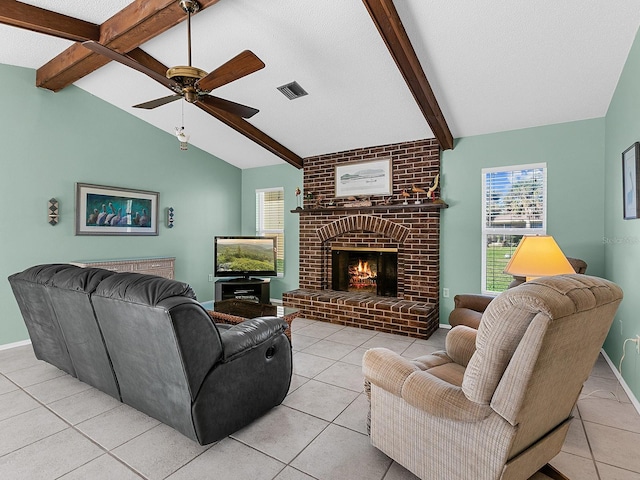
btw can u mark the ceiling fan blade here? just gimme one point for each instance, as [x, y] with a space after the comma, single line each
[239, 66]
[228, 106]
[158, 102]
[129, 62]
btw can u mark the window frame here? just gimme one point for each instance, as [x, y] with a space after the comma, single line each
[261, 231]
[486, 231]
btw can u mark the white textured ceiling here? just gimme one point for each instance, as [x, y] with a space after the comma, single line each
[494, 65]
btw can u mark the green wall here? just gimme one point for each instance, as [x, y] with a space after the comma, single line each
[53, 140]
[573, 153]
[622, 249]
[289, 178]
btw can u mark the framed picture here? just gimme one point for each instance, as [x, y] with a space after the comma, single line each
[363, 178]
[630, 176]
[104, 210]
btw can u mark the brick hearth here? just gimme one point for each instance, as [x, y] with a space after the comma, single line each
[413, 229]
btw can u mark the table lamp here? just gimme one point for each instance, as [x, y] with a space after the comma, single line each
[538, 256]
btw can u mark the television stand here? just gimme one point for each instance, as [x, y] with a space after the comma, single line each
[252, 289]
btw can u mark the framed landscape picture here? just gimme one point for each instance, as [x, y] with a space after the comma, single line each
[363, 178]
[102, 210]
[630, 177]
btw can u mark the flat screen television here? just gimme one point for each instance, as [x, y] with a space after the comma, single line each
[245, 256]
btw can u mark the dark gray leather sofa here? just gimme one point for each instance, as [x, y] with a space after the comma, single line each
[146, 341]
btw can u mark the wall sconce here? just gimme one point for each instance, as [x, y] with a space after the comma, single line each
[53, 215]
[170, 217]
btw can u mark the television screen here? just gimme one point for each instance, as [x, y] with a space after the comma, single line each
[245, 256]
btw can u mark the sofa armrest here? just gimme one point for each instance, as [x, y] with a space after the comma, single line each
[476, 302]
[460, 344]
[245, 336]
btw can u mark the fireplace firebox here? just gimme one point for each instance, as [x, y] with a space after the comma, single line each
[365, 270]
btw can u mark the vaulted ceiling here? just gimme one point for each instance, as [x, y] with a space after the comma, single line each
[491, 66]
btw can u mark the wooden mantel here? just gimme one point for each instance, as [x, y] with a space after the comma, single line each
[374, 208]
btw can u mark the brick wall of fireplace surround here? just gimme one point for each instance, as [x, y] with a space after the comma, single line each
[414, 230]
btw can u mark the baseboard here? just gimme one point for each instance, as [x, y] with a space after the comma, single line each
[625, 387]
[445, 325]
[7, 346]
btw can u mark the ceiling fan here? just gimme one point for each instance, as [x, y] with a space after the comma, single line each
[189, 82]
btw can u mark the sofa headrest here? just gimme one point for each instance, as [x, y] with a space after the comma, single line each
[81, 280]
[142, 289]
[42, 274]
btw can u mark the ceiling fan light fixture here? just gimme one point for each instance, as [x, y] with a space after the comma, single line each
[292, 90]
[183, 72]
[183, 138]
[189, 6]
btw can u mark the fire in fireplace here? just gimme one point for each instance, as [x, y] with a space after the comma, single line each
[365, 270]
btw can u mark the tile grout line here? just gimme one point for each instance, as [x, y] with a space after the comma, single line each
[73, 427]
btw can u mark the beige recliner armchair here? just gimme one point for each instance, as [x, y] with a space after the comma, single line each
[496, 404]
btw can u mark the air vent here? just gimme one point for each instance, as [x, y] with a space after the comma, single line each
[292, 90]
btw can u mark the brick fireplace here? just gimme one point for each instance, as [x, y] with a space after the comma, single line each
[412, 230]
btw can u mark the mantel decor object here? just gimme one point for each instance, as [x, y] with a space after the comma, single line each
[102, 210]
[363, 178]
[298, 199]
[630, 177]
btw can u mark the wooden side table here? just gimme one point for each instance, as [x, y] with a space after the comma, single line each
[234, 311]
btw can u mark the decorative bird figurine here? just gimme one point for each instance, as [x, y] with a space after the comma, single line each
[116, 220]
[102, 216]
[406, 195]
[110, 215]
[93, 218]
[432, 189]
[417, 191]
[144, 219]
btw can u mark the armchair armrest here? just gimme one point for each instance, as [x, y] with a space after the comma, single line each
[387, 369]
[460, 344]
[245, 336]
[442, 399]
[395, 374]
[476, 302]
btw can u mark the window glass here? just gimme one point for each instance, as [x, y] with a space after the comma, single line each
[270, 219]
[513, 204]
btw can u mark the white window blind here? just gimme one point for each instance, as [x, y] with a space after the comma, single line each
[513, 204]
[270, 219]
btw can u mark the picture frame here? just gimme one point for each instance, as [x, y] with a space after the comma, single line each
[363, 178]
[630, 178]
[102, 210]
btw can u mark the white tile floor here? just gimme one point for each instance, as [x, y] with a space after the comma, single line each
[55, 427]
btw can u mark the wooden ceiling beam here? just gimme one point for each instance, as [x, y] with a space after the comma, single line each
[39, 20]
[240, 125]
[237, 123]
[386, 18]
[137, 23]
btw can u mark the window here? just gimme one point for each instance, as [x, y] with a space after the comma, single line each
[513, 204]
[270, 219]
